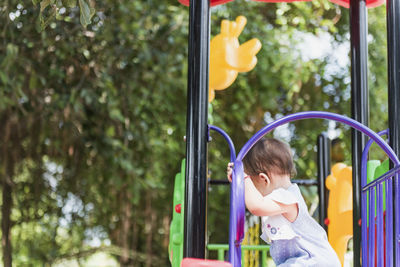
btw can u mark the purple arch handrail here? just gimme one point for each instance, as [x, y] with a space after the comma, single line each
[232, 159]
[228, 140]
[237, 215]
[364, 159]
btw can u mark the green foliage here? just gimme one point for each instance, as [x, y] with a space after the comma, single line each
[53, 9]
[87, 13]
[69, 3]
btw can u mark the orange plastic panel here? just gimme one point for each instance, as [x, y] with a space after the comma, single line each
[189, 262]
[212, 2]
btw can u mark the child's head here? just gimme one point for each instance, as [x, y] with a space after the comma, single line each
[271, 157]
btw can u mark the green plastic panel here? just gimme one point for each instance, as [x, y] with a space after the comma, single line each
[176, 228]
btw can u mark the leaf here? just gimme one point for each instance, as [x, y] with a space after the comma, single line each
[69, 3]
[33, 81]
[11, 56]
[87, 13]
[35, 2]
[44, 4]
[3, 77]
[12, 50]
[21, 95]
[110, 132]
[45, 21]
[117, 115]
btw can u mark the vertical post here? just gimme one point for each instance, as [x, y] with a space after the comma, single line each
[221, 254]
[197, 130]
[393, 42]
[324, 167]
[327, 171]
[264, 258]
[359, 107]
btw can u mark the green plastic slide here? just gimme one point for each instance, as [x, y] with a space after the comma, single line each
[176, 228]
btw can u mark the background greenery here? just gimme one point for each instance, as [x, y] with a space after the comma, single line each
[93, 114]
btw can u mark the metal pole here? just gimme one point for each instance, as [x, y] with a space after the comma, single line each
[323, 151]
[327, 170]
[197, 131]
[327, 156]
[359, 107]
[393, 42]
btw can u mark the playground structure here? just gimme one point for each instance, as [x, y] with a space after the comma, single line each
[385, 250]
[237, 184]
[339, 212]
[252, 252]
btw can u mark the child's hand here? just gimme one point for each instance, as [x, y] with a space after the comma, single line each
[229, 171]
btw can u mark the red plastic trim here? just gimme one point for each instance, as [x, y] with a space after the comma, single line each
[178, 208]
[344, 3]
[212, 2]
[280, 1]
[370, 3]
[190, 262]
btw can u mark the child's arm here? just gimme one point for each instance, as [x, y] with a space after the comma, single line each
[264, 206]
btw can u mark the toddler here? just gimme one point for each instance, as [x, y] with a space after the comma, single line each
[295, 238]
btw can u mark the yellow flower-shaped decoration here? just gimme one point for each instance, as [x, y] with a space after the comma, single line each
[228, 57]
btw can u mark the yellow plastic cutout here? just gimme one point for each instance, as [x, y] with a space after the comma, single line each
[228, 57]
[340, 208]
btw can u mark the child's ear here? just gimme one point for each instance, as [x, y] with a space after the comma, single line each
[264, 177]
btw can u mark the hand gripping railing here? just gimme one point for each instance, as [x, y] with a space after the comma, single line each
[237, 215]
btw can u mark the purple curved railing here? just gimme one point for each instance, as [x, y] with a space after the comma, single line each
[228, 140]
[368, 247]
[373, 251]
[237, 216]
[364, 157]
[232, 158]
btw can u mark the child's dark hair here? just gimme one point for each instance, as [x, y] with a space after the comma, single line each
[268, 156]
